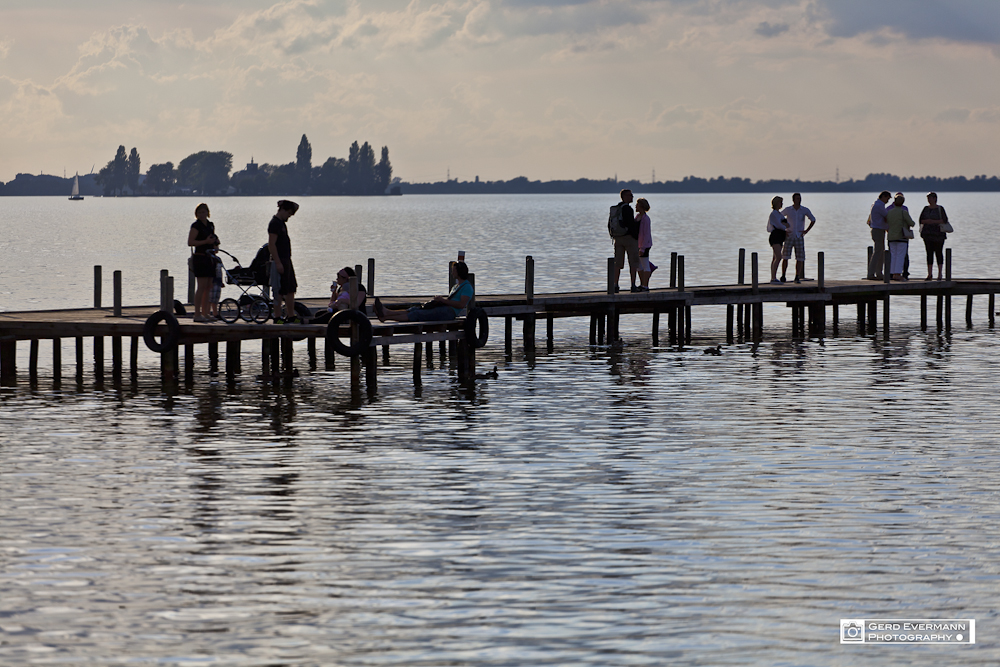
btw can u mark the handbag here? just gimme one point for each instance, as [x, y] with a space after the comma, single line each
[946, 227]
[908, 233]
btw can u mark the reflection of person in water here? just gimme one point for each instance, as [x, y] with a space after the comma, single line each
[340, 297]
[438, 309]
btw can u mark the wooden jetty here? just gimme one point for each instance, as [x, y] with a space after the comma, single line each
[808, 302]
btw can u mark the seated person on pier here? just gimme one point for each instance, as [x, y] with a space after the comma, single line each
[340, 297]
[438, 309]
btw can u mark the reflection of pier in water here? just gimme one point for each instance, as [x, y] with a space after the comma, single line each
[458, 340]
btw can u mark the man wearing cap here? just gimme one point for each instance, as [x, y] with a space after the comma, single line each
[876, 220]
[282, 272]
[796, 215]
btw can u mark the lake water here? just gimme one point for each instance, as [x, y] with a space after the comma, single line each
[591, 506]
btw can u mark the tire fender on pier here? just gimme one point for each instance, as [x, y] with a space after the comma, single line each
[169, 340]
[477, 316]
[364, 332]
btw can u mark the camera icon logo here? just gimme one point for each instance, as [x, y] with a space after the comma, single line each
[852, 630]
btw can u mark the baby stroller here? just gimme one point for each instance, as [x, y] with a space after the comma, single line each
[253, 305]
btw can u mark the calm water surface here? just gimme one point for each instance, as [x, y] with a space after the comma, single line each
[591, 506]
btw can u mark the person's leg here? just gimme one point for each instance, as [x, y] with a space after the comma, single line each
[633, 258]
[878, 254]
[800, 258]
[906, 260]
[775, 260]
[786, 254]
[202, 287]
[929, 247]
[940, 259]
[289, 305]
[619, 260]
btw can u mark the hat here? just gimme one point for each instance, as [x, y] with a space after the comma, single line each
[899, 194]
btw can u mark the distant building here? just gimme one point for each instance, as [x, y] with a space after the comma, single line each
[251, 167]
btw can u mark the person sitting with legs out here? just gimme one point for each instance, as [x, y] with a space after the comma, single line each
[438, 309]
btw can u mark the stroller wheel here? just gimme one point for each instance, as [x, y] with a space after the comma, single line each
[229, 310]
[260, 310]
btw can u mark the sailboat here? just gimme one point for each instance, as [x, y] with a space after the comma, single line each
[74, 195]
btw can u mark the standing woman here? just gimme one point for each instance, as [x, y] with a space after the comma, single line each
[646, 267]
[777, 225]
[202, 238]
[931, 219]
[898, 221]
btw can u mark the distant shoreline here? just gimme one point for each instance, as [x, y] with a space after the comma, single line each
[47, 185]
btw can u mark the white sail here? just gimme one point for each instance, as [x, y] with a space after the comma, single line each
[76, 186]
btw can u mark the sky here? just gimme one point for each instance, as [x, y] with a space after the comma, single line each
[547, 89]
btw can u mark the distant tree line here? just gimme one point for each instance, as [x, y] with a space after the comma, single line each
[694, 184]
[208, 172]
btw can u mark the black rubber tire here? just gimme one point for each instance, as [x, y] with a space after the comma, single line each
[364, 332]
[179, 308]
[168, 341]
[302, 310]
[229, 310]
[477, 316]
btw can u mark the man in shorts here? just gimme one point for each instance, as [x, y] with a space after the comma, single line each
[796, 215]
[282, 272]
[627, 243]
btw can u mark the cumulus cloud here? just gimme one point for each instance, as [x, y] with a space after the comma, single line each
[956, 20]
[765, 29]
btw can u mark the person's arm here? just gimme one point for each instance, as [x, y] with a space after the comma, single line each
[812, 221]
[194, 242]
[272, 246]
[459, 303]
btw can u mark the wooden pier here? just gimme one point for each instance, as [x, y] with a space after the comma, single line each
[356, 336]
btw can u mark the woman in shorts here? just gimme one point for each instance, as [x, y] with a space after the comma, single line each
[777, 225]
[202, 238]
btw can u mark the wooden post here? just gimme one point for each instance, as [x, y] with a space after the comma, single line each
[329, 354]
[371, 277]
[939, 315]
[116, 360]
[754, 275]
[33, 361]
[164, 274]
[600, 329]
[680, 273]
[189, 364]
[133, 367]
[672, 325]
[923, 312]
[286, 355]
[99, 359]
[887, 266]
[265, 358]
[656, 328]
[385, 353]
[872, 316]
[947, 264]
[233, 363]
[213, 357]
[611, 275]
[947, 297]
[673, 269]
[548, 332]
[274, 346]
[8, 361]
[759, 322]
[687, 325]
[885, 317]
[371, 370]
[311, 349]
[57, 361]
[97, 286]
[820, 270]
[417, 348]
[968, 311]
[739, 270]
[729, 323]
[992, 313]
[593, 330]
[508, 334]
[871, 251]
[79, 359]
[529, 293]
[836, 315]
[740, 312]
[795, 320]
[861, 318]
[117, 277]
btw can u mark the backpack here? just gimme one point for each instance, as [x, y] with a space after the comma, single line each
[617, 225]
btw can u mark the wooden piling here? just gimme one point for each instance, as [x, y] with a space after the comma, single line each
[923, 312]
[968, 312]
[673, 270]
[189, 364]
[872, 316]
[133, 359]
[233, 363]
[371, 370]
[116, 360]
[8, 361]
[99, 359]
[79, 359]
[947, 298]
[549, 324]
[729, 323]
[656, 328]
[821, 273]
[213, 357]
[265, 358]
[992, 304]
[885, 317]
[939, 314]
[371, 277]
[97, 287]
[117, 286]
[57, 361]
[740, 267]
[754, 282]
[508, 333]
[861, 318]
[33, 361]
[417, 349]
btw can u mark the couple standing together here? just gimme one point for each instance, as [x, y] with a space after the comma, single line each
[788, 229]
[631, 235]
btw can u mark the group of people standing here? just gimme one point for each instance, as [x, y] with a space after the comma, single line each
[786, 232]
[892, 223]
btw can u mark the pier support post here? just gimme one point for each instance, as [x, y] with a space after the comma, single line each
[758, 322]
[79, 359]
[872, 317]
[593, 330]
[947, 297]
[265, 358]
[99, 359]
[311, 351]
[885, 317]
[189, 364]
[861, 318]
[371, 277]
[968, 312]
[133, 359]
[673, 270]
[371, 370]
[821, 273]
[97, 286]
[656, 328]
[417, 349]
[600, 329]
[729, 323]
[992, 303]
[687, 325]
[213, 357]
[508, 335]
[33, 362]
[286, 355]
[329, 355]
[549, 323]
[8, 361]
[923, 312]
[739, 321]
[57, 361]
[116, 360]
[939, 315]
[233, 364]
[117, 286]
[740, 273]
[274, 347]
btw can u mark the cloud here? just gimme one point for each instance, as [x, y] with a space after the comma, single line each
[976, 21]
[765, 29]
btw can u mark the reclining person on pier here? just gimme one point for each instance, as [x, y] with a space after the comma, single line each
[438, 309]
[340, 297]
